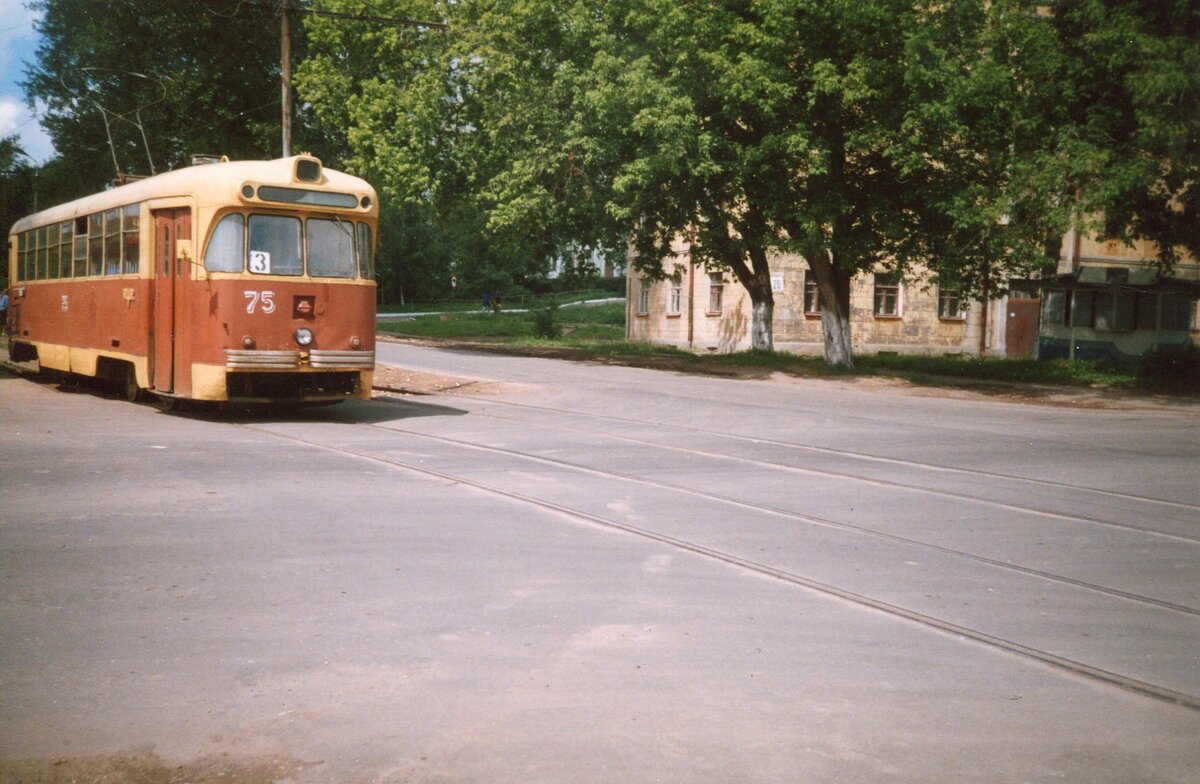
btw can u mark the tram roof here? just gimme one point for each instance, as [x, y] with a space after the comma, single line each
[206, 183]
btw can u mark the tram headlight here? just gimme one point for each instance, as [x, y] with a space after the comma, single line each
[248, 342]
[304, 336]
[355, 343]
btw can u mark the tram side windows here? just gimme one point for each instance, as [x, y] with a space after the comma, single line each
[95, 244]
[130, 238]
[52, 254]
[226, 251]
[40, 272]
[366, 253]
[21, 255]
[112, 242]
[79, 254]
[275, 245]
[64, 249]
[330, 248]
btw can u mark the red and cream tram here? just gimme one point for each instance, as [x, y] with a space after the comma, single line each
[248, 281]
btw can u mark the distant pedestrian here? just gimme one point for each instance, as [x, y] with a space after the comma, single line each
[487, 300]
[4, 312]
[496, 303]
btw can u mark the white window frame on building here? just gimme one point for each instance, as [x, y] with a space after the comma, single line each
[950, 304]
[812, 295]
[716, 292]
[675, 295]
[644, 298]
[888, 295]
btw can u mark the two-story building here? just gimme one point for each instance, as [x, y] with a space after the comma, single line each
[1104, 293]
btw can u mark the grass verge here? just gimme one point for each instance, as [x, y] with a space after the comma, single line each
[597, 333]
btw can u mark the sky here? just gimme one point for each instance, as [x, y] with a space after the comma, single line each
[18, 41]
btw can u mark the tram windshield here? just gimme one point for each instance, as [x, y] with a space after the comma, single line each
[330, 248]
[285, 245]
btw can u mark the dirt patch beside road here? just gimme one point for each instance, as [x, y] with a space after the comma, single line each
[403, 381]
[146, 767]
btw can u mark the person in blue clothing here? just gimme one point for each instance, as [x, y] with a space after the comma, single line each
[4, 312]
[487, 300]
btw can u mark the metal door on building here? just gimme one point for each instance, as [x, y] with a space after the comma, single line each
[1021, 327]
[169, 355]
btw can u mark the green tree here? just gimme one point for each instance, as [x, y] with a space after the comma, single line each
[452, 128]
[750, 128]
[1132, 69]
[962, 138]
[198, 77]
[17, 185]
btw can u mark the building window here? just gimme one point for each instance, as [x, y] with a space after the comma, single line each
[950, 302]
[1056, 307]
[887, 294]
[644, 298]
[1177, 313]
[812, 295]
[675, 296]
[716, 291]
[1113, 311]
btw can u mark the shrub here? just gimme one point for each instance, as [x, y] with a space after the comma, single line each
[545, 323]
[1176, 369]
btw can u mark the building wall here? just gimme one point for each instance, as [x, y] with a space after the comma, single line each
[917, 329]
[1145, 306]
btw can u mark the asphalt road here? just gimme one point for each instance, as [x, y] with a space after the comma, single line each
[559, 572]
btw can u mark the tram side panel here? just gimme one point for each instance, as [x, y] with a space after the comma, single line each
[72, 324]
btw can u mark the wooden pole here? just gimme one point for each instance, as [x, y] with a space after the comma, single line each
[285, 73]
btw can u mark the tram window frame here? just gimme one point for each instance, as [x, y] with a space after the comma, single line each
[294, 269]
[112, 241]
[347, 262]
[217, 240]
[95, 265]
[30, 255]
[53, 250]
[65, 246]
[40, 245]
[21, 255]
[366, 252]
[79, 247]
[131, 230]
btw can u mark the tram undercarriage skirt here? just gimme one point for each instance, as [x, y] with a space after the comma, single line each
[291, 386]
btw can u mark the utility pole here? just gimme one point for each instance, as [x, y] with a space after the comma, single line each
[285, 72]
[286, 9]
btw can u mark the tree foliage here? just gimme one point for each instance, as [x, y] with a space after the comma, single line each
[196, 76]
[17, 184]
[461, 133]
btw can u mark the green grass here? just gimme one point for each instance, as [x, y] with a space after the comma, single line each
[472, 325]
[580, 323]
[1077, 372]
[598, 332]
[467, 304]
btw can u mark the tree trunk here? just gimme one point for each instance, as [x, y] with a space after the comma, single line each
[836, 329]
[757, 282]
[833, 283]
[762, 332]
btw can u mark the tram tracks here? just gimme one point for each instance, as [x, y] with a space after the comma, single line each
[1014, 646]
[805, 519]
[970, 473]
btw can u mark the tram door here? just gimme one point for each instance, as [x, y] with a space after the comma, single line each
[169, 353]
